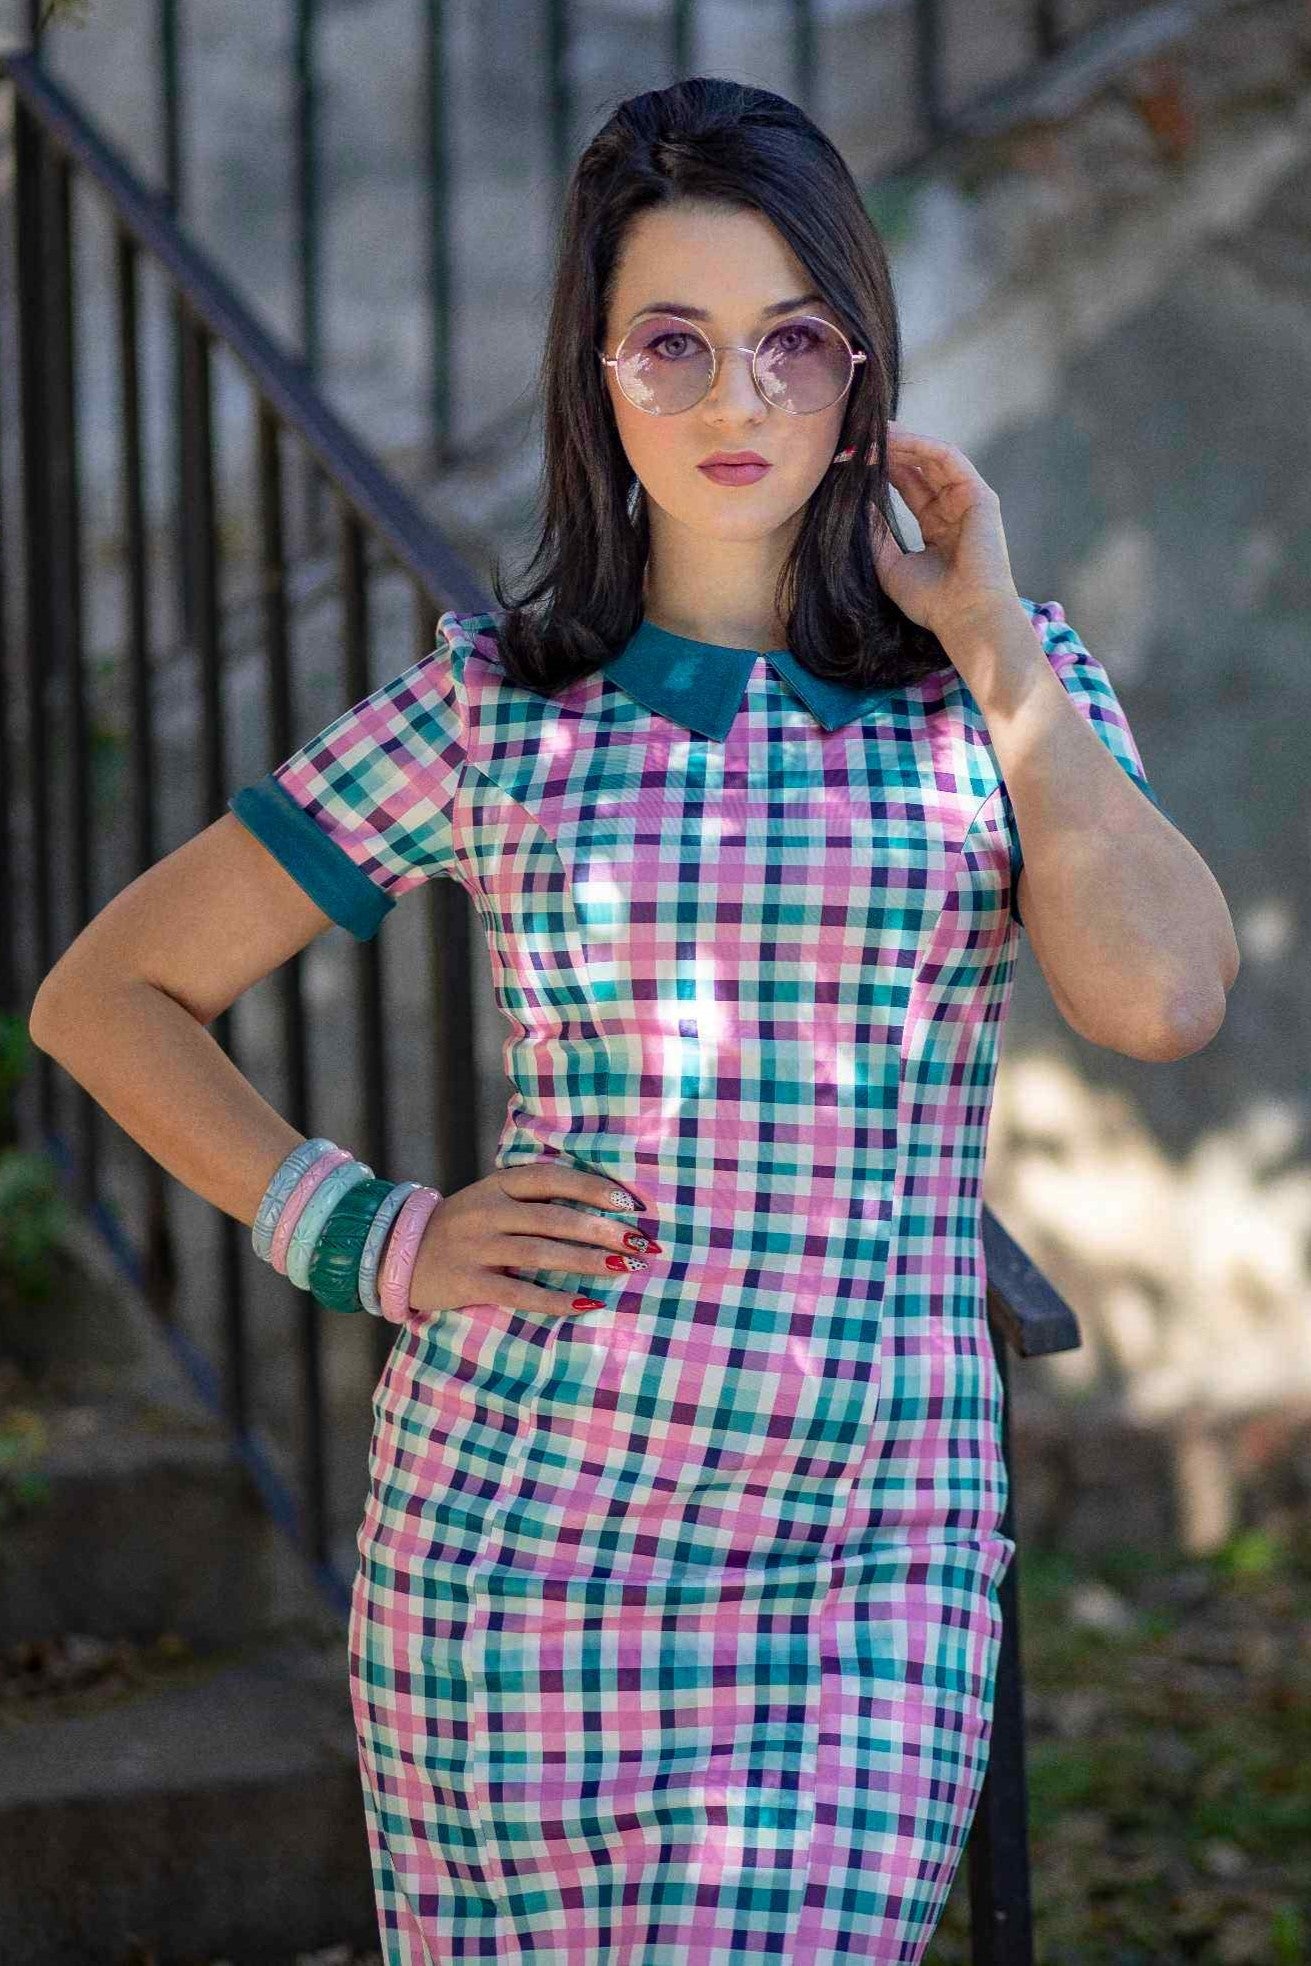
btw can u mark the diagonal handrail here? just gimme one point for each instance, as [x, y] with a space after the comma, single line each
[282, 380]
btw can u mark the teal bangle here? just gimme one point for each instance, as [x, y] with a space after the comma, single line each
[335, 1265]
[316, 1212]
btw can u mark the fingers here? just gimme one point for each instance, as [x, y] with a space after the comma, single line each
[540, 1214]
[937, 464]
[542, 1253]
[538, 1180]
[913, 487]
[517, 1294]
[539, 1229]
[575, 1225]
[520, 1217]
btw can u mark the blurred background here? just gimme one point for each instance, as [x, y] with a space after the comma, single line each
[273, 281]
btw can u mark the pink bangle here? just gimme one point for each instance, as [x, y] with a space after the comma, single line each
[397, 1267]
[296, 1200]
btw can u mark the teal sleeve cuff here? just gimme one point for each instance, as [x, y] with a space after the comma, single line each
[328, 875]
[1017, 858]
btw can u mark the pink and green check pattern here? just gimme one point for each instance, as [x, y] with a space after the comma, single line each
[675, 1625]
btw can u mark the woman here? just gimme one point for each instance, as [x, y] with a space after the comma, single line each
[675, 1624]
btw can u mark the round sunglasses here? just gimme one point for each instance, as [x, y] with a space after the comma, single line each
[665, 364]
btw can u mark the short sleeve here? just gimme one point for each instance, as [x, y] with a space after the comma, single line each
[1086, 681]
[363, 811]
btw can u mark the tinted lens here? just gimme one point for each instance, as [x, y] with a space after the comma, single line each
[804, 366]
[664, 365]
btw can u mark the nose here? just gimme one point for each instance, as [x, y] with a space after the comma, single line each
[743, 382]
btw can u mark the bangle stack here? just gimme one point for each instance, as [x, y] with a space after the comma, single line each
[334, 1229]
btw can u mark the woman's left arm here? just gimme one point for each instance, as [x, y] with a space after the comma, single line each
[1126, 919]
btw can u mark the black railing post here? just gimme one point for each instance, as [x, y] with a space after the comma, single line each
[1001, 1916]
[201, 532]
[437, 181]
[1046, 28]
[73, 772]
[173, 175]
[929, 49]
[373, 1064]
[30, 165]
[297, 1100]
[159, 1256]
[1028, 1317]
[559, 94]
[682, 37]
[309, 213]
[10, 987]
[309, 239]
[276, 642]
[805, 54]
[170, 103]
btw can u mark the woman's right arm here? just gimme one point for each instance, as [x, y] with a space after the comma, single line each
[124, 1009]
[124, 1012]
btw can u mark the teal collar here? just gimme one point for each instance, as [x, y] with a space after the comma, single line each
[701, 685]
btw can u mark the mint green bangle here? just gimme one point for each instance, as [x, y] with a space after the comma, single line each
[318, 1208]
[335, 1264]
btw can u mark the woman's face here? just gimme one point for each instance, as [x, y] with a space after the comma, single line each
[726, 270]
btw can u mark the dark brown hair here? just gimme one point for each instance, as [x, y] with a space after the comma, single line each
[713, 140]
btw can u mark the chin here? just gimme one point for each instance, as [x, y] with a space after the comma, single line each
[732, 513]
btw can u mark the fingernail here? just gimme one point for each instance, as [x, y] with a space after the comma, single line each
[620, 1198]
[587, 1303]
[634, 1239]
[625, 1263]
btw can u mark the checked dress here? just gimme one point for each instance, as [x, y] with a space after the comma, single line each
[675, 1624]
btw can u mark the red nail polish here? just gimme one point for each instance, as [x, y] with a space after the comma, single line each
[587, 1303]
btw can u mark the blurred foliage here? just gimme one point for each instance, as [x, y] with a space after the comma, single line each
[33, 1212]
[33, 1215]
[1168, 1726]
[24, 1484]
[891, 203]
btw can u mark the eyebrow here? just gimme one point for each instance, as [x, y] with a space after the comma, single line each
[703, 313]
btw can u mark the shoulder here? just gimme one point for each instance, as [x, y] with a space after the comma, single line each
[1058, 638]
[470, 642]
[1089, 680]
[469, 651]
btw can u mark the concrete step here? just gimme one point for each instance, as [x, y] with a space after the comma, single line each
[129, 1520]
[209, 1809]
[123, 1511]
